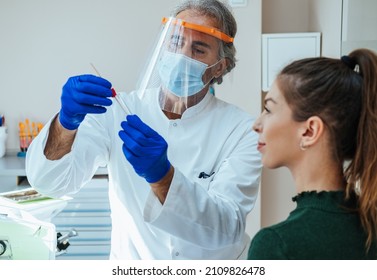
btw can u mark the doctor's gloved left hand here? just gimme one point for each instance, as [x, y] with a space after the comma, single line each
[145, 149]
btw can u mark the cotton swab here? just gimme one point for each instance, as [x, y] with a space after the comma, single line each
[115, 95]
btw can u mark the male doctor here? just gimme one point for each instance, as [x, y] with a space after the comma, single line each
[183, 166]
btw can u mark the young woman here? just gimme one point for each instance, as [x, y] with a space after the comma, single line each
[320, 121]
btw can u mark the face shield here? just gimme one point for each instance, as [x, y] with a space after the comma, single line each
[186, 59]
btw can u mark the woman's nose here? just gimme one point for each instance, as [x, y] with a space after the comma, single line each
[257, 126]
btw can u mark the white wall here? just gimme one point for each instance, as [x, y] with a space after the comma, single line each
[359, 25]
[326, 16]
[43, 42]
[281, 16]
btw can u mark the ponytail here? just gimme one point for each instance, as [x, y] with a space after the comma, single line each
[361, 174]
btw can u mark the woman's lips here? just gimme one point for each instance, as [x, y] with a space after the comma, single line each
[260, 145]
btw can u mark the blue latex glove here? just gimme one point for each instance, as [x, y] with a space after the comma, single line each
[86, 94]
[145, 149]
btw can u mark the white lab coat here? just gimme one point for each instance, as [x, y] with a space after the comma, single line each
[202, 218]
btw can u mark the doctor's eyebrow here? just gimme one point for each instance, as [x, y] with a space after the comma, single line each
[181, 40]
[202, 44]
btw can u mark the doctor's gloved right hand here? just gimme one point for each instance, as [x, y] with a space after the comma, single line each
[85, 94]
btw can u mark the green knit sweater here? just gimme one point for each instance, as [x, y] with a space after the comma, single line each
[323, 226]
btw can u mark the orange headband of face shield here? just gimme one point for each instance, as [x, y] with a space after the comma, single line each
[204, 29]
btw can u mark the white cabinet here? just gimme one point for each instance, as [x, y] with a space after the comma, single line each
[278, 49]
[88, 212]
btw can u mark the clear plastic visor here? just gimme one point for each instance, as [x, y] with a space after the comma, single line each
[183, 63]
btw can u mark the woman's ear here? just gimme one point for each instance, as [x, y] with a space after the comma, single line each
[311, 131]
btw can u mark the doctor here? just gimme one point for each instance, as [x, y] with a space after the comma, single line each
[183, 168]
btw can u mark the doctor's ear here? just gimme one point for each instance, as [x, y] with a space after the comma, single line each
[311, 132]
[221, 67]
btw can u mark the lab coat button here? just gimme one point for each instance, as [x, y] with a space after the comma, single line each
[176, 254]
[174, 124]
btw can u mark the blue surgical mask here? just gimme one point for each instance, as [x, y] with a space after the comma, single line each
[181, 74]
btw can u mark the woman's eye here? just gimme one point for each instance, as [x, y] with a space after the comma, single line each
[266, 109]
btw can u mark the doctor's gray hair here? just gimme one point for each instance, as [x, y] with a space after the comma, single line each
[221, 12]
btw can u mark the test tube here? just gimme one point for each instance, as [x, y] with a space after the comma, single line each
[115, 95]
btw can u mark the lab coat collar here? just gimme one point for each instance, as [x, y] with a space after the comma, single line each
[198, 108]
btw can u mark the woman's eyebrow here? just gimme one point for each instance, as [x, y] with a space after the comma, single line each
[269, 99]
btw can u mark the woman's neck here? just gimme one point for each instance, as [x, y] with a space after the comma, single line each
[318, 176]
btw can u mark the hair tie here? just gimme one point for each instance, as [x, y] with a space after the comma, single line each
[351, 63]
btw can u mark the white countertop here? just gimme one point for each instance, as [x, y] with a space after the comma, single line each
[12, 168]
[15, 166]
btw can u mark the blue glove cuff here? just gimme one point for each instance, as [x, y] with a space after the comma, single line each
[70, 123]
[155, 175]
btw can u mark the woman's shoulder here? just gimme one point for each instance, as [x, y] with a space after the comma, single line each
[267, 244]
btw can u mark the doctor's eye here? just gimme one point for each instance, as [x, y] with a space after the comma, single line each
[198, 50]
